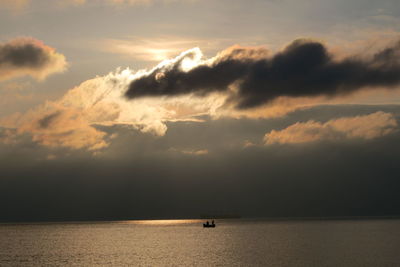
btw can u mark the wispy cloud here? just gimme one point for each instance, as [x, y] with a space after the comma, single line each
[193, 152]
[154, 48]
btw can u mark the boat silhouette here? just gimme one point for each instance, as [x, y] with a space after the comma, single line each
[208, 225]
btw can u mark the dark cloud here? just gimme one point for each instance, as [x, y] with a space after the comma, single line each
[139, 177]
[47, 120]
[27, 56]
[304, 68]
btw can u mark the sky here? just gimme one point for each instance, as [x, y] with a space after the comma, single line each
[132, 109]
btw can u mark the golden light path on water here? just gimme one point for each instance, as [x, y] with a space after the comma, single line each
[186, 243]
[162, 222]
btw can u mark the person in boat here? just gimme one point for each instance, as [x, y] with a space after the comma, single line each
[207, 223]
[212, 223]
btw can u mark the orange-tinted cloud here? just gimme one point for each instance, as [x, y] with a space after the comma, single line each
[370, 126]
[28, 56]
[71, 120]
[14, 5]
[56, 126]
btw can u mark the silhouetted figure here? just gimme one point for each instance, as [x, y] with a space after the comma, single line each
[207, 224]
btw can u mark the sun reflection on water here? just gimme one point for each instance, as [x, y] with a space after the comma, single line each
[163, 222]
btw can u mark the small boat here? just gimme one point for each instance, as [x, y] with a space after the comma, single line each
[208, 225]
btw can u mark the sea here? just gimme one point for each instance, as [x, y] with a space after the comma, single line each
[233, 242]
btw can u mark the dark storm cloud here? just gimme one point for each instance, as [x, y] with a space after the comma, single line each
[137, 177]
[304, 68]
[27, 56]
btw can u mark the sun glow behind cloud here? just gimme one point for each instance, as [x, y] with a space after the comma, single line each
[73, 120]
[153, 49]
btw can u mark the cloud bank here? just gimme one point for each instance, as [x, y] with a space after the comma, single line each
[252, 78]
[370, 126]
[80, 119]
[28, 56]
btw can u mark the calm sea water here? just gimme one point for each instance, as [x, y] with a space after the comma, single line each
[186, 243]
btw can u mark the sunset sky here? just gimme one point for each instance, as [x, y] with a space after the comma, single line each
[119, 109]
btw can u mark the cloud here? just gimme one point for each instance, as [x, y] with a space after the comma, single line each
[199, 152]
[123, 2]
[7, 136]
[28, 56]
[76, 2]
[17, 5]
[144, 2]
[14, 5]
[153, 49]
[370, 126]
[131, 2]
[52, 125]
[280, 177]
[79, 118]
[304, 68]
